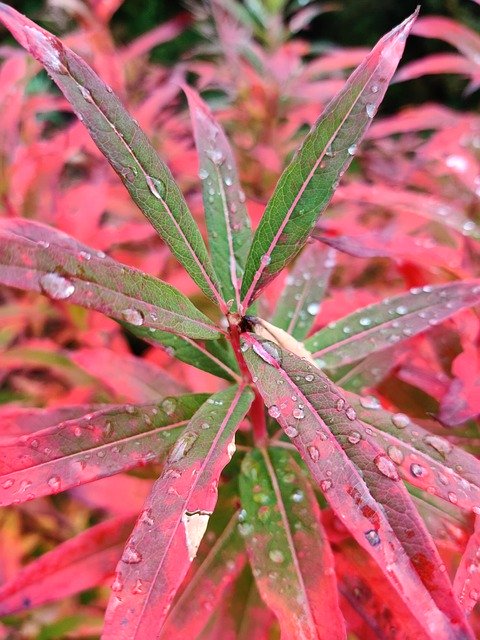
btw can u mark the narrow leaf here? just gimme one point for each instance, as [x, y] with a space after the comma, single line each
[307, 184]
[467, 577]
[166, 537]
[304, 289]
[290, 555]
[80, 563]
[38, 258]
[204, 591]
[96, 445]
[123, 143]
[228, 224]
[386, 323]
[308, 406]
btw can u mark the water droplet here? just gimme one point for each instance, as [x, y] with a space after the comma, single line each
[298, 495]
[401, 310]
[182, 447]
[228, 181]
[298, 413]
[133, 316]
[354, 437]
[137, 587]
[370, 402]
[400, 420]
[117, 584]
[8, 483]
[439, 444]
[276, 556]
[244, 347]
[374, 88]
[453, 497]
[340, 404]
[203, 174]
[156, 186]
[169, 406]
[131, 555]
[54, 483]
[395, 454]
[372, 537]
[313, 308]
[350, 413]
[474, 594]
[325, 485]
[365, 322]
[266, 259]
[313, 453]
[86, 94]
[370, 109]
[274, 411]
[216, 156]
[56, 286]
[459, 163]
[272, 350]
[146, 518]
[386, 467]
[291, 432]
[417, 470]
[352, 149]
[309, 377]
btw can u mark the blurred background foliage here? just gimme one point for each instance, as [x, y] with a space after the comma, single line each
[351, 23]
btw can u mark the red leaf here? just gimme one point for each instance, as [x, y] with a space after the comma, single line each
[467, 577]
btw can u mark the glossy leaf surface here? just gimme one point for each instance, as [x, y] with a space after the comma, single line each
[228, 224]
[37, 258]
[307, 184]
[384, 324]
[93, 446]
[175, 516]
[290, 556]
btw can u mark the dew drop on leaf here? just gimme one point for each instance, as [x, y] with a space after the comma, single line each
[133, 316]
[291, 432]
[351, 413]
[369, 402]
[156, 186]
[297, 495]
[386, 467]
[365, 322]
[439, 444]
[216, 156]
[203, 174]
[313, 308]
[340, 404]
[8, 483]
[354, 437]
[276, 556]
[117, 584]
[313, 453]
[400, 420]
[169, 405]
[372, 537]
[309, 377]
[182, 447]
[298, 413]
[325, 485]
[131, 555]
[370, 109]
[56, 286]
[453, 497]
[274, 411]
[54, 483]
[417, 470]
[395, 454]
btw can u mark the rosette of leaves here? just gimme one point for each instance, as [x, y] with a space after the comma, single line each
[317, 465]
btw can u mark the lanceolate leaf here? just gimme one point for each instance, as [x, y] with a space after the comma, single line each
[166, 537]
[207, 357]
[204, 591]
[78, 564]
[467, 577]
[426, 460]
[36, 257]
[307, 184]
[308, 406]
[228, 224]
[386, 323]
[304, 290]
[98, 444]
[290, 556]
[124, 144]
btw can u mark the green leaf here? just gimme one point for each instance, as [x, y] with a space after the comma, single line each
[166, 537]
[289, 552]
[35, 257]
[228, 224]
[304, 290]
[96, 445]
[123, 143]
[387, 323]
[307, 184]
